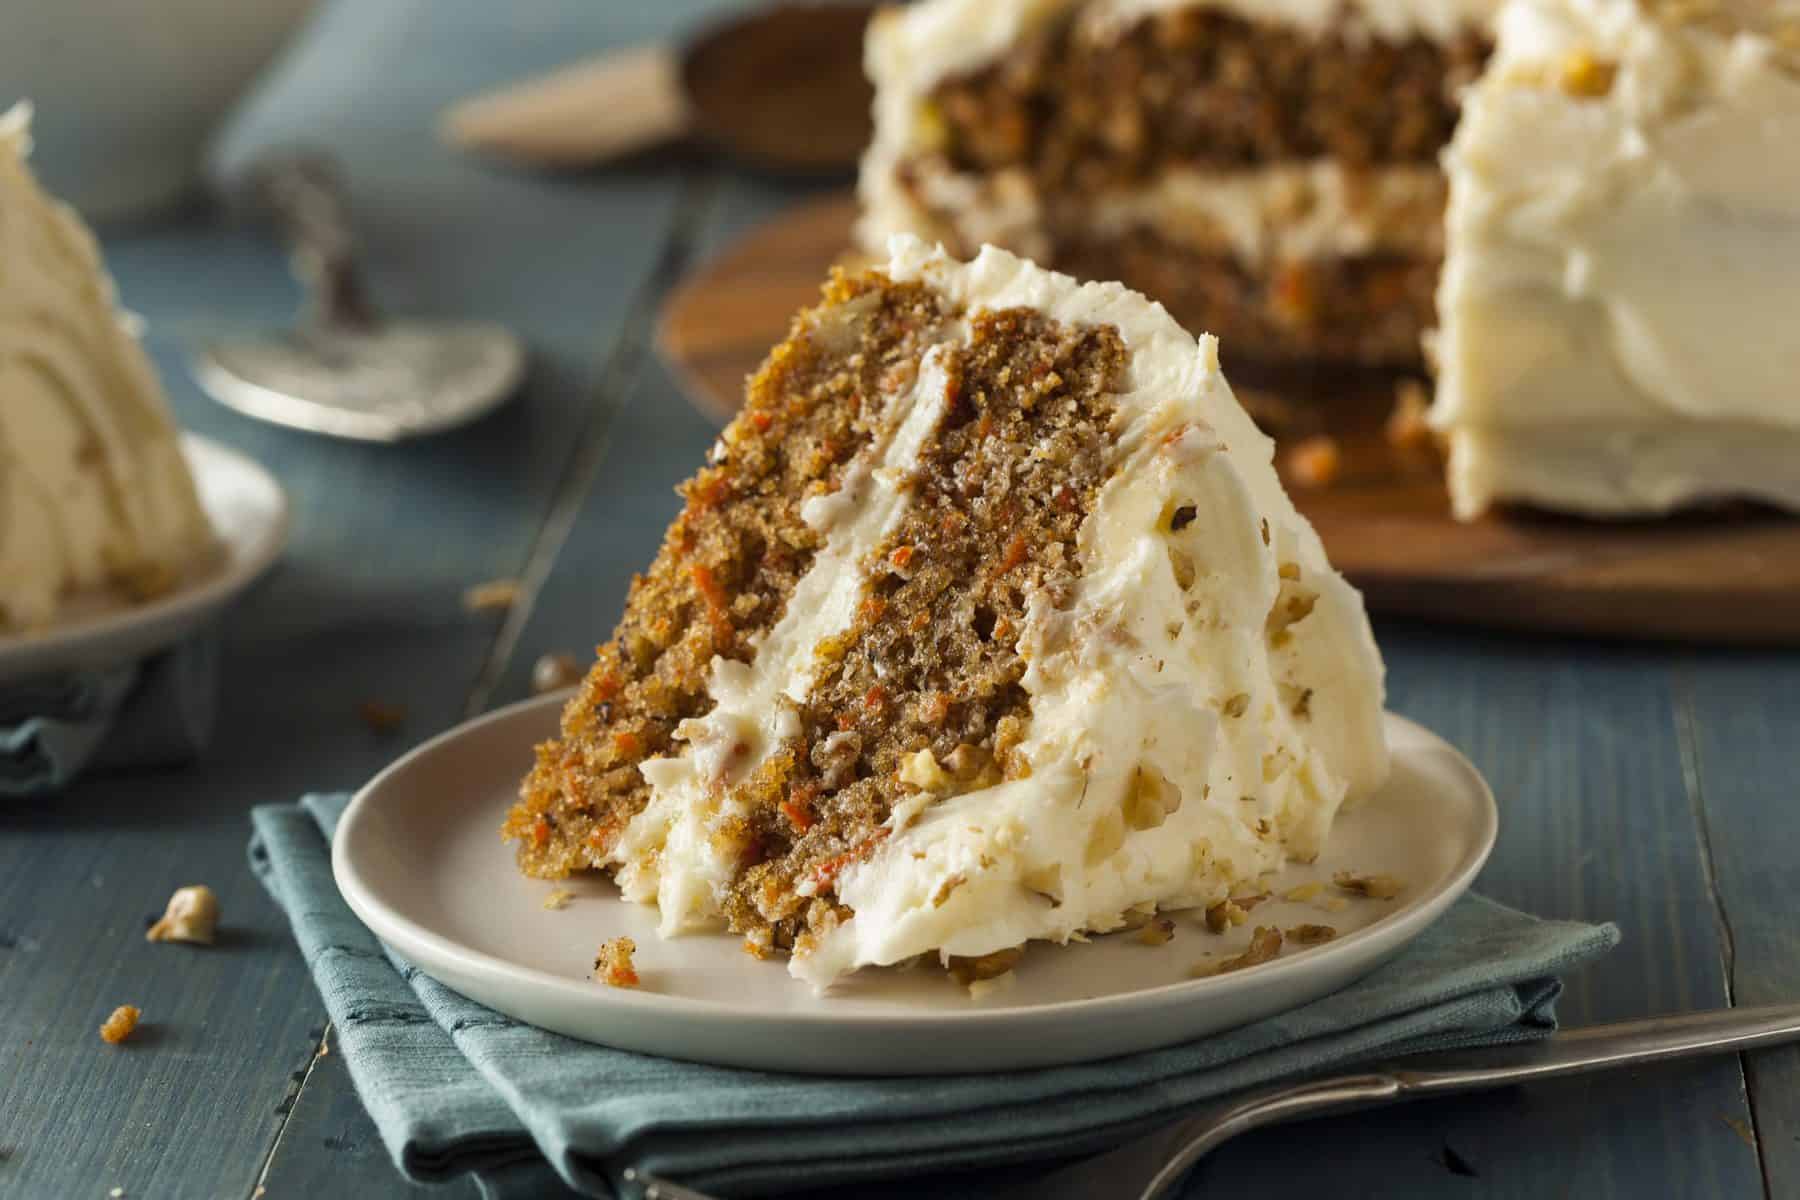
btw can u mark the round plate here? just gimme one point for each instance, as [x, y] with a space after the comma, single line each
[249, 514]
[419, 858]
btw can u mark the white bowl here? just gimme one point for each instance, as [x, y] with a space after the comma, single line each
[127, 93]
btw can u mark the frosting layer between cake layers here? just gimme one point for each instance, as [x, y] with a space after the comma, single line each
[1624, 260]
[93, 485]
[1201, 703]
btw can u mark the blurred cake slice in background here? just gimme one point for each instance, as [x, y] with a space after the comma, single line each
[987, 622]
[1621, 298]
[1267, 170]
[94, 490]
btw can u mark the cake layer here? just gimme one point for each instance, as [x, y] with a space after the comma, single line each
[1056, 648]
[1624, 255]
[1625, 470]
[1366, 310]
[94, 489]
[1268, 135]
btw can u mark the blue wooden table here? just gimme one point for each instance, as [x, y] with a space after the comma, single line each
[1654, 787]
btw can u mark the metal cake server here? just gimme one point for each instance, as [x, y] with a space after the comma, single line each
[343, 370]
[1150, 1167]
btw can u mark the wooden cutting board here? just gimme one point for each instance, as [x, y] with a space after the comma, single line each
[1726, 576]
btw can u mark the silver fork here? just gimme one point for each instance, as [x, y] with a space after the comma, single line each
[1150, 1166]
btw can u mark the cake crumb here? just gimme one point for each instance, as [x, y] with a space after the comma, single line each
[1311, 935]
[116, 1193]
[1406, 428]
[1158, 931]
[1316, 462]
[119, 1025]
[496, 595]
[1303, 891]
[613, 964]
[558, 899]
[1265, 945]
[970, 971]
[192, 916]
[1374, 887]
[554, 672]
[1332, 904]
[381, 717]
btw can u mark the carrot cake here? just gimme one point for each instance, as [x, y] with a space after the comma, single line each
[987, 621]
[1623, 265]
[94, 490]
[1265, 168]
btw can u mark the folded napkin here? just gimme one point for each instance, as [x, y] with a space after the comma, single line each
[457, 1088]
[155, 713]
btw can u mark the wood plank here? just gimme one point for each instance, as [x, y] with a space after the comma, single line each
[1730, 576]
[330, 1147]
[1740, 716]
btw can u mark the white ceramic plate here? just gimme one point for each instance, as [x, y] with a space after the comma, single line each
[249, 513]
[419, 858]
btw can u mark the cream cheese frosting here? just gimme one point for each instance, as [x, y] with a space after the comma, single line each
[93, 485]
[1623, 256]
[1200, 708]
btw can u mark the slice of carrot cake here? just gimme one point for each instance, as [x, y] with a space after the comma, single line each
[94, 490]
[1265, 168]
[987, 621]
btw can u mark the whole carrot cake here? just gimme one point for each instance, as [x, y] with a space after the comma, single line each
[987, 621]
[1265, 168]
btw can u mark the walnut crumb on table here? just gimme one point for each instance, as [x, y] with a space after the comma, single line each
[192, 916]
[613, 965]
[117, 1027]
[380, 717]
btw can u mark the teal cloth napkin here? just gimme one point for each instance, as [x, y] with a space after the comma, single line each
[150, 714]
[457, 1088]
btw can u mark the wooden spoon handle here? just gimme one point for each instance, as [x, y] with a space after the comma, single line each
[581, 115]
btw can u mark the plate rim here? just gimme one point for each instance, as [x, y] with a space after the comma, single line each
[244, 563]
[408, 936]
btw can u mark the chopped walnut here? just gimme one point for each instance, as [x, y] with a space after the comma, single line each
[1158, 931]
[1265, 944]
[558, 899]
[1374, 887]
[191, 916]
[1225, 914]
[1585, 76]
[968, 971]
[1316, 462]
[496, 595]
[553, 672]
[1249, 902]
[613, 965]
[1311, 935]
[119, 1025]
